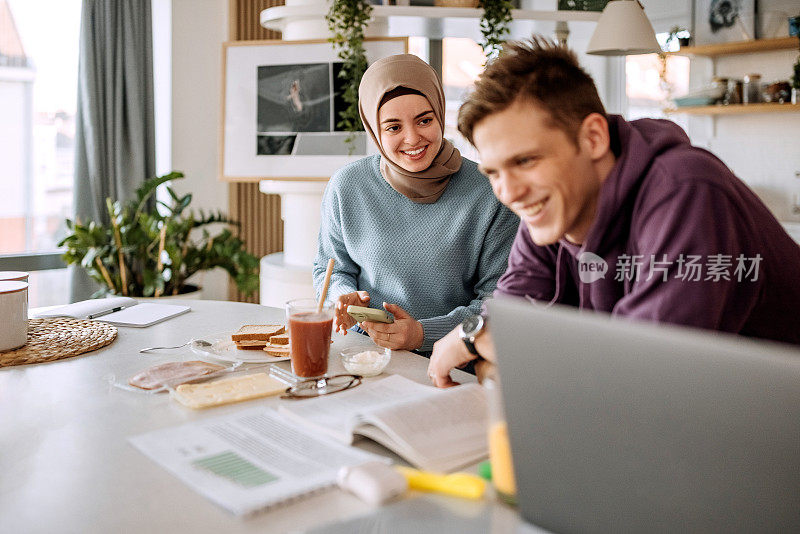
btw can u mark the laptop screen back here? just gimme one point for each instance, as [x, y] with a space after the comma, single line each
[624, 427]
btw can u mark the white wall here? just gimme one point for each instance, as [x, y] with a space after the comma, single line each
[664, 14]
[198, 30]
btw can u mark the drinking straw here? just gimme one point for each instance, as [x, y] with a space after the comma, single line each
[324, 293]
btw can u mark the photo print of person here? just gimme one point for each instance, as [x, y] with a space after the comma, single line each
[298, 105]
[581, 5]
[291, 99]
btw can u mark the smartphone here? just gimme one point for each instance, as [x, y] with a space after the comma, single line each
[360, 313]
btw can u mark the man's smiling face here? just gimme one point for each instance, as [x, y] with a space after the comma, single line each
[542, 175]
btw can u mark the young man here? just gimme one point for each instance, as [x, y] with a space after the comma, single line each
[621, 217]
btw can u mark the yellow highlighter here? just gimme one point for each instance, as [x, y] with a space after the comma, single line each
[457, 484]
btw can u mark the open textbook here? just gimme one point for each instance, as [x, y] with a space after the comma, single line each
[433, 429]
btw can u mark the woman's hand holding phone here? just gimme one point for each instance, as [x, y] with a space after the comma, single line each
[342, 321]
[405, 333]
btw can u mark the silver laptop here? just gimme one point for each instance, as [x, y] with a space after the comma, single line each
[618, 426]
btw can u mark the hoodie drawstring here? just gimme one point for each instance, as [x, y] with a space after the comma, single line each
[558, 282]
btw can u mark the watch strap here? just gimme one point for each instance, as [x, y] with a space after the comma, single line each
[469, 338]
[470, 346]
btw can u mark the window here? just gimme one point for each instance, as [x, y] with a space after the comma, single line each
[39, 43]
[649, 86]
[462, 62]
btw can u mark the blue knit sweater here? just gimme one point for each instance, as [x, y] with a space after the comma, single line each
[437, 261]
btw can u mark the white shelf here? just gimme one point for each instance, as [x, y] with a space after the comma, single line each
[475, 13]
[420, 20]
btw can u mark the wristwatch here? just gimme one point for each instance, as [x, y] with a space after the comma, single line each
[469, 329]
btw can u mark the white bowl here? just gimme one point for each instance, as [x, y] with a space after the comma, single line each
[365, 361]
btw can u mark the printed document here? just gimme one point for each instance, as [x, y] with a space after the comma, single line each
[249, 460]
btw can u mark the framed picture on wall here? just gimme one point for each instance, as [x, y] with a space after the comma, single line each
[773, 16]
[724, 21]
[281, 103]
[582, 5]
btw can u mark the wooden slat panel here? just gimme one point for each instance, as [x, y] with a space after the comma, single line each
[245, 20]
[259, 214]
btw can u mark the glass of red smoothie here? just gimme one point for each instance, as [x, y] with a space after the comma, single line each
[309, 336]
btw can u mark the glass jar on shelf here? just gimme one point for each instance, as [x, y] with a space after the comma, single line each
[751, 89]
[733, 93]
[719, 86]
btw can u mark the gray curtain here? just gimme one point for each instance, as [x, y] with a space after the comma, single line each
[115, 131]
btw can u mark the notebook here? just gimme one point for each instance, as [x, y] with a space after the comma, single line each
[119, 311]
[618, 426]
[144, 314]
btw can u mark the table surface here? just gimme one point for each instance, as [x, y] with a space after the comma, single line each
[66, 464]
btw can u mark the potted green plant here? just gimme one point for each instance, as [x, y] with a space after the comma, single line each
[347, 20]
[146, 252]
[666, 86]
[495, 19]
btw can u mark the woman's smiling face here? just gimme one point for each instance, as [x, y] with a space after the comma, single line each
[410, 133]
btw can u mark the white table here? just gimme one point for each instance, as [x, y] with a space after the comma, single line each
[66, 465]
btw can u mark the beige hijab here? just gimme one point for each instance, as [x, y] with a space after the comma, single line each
[409, 71]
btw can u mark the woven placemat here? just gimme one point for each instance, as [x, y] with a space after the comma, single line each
[54, 339]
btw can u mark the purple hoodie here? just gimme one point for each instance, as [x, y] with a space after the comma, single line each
[684, 240]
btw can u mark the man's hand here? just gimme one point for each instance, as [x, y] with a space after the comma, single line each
[405, 333]
[450, 353]
[342, 320]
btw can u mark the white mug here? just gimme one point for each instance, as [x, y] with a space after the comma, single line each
[13, 314]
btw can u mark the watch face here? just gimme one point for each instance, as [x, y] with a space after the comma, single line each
[471, 325]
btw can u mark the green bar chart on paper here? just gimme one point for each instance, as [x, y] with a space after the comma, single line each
[235, 468]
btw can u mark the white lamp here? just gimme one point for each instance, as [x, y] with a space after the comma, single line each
[623, 29]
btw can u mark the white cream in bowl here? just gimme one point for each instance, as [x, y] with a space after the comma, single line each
[365, 362]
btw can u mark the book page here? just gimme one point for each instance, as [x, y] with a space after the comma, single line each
[440, 432]
[248, 460]
[335, 414]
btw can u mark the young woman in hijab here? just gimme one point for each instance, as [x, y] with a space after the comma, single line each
[415, 228]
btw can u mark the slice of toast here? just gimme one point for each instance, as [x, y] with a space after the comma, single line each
[260, 346]
[257, 332]
[280, 339]
[280, 351]
[250, 345]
